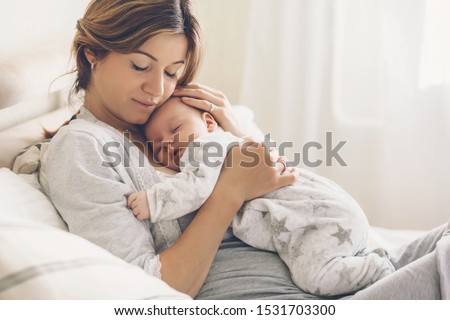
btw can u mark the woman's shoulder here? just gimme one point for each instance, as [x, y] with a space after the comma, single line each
[79, 144]
[81, 139]
[84, 129]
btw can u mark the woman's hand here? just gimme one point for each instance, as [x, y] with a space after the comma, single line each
[212, 101]
[249, 172]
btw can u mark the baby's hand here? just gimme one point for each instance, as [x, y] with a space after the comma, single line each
[138, 203]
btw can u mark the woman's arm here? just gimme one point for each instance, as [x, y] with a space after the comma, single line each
[186, 264]
[202, 97]
[91, 198]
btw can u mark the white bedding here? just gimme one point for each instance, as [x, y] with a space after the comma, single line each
[39, 259]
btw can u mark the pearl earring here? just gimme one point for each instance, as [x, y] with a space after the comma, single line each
[92, 65]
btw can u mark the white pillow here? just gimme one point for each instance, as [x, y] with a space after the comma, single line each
[40, 262]
[20, 197]
[246, 118]
[20, 136]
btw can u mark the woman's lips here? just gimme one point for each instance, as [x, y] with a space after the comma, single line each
[145, 106]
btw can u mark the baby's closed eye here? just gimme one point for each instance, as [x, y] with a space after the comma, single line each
[176, 128]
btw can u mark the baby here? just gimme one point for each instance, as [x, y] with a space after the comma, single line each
[318, 230]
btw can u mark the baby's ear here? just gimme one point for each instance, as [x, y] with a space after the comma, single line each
[210, 123]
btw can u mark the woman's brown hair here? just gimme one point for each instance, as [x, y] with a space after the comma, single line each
[122, 26]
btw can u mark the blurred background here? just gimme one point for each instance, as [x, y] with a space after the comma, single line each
[375, 73]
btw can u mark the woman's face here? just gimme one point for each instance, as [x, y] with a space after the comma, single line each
[126, 88]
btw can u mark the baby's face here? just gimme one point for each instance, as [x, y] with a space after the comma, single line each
[171, 128]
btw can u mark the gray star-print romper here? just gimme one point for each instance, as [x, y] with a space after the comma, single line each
[318, 230]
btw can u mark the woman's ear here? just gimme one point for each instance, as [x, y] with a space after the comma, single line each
[90, 56]
[210, 123]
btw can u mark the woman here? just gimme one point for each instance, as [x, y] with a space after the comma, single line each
[130, 56]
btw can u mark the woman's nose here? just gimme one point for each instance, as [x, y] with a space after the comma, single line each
[154, 85]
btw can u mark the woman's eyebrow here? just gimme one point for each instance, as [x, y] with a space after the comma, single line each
[153, 58]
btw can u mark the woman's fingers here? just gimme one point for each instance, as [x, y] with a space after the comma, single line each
[199, 94]
[213, 101]
[288, 178]
[212, 91]
[282, 162]
[280, 167]
[199, 104]
[265, 173]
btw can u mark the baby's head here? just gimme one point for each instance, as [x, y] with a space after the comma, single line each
[172, 126]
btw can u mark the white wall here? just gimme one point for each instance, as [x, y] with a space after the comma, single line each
[26, 24]
[225, 25]
[35, 42]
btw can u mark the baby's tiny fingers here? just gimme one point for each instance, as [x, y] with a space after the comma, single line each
[136, 211]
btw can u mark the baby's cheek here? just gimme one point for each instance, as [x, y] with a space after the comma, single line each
[164, 158]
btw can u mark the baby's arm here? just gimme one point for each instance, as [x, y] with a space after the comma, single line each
[186, 191]
[138, 202]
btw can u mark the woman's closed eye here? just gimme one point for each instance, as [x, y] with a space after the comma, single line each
[141, 68]
[138, 68]
[170, 75]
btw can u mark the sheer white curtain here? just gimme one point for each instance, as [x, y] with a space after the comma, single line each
[376, 73]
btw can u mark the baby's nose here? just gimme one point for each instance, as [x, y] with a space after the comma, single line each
[168, 147]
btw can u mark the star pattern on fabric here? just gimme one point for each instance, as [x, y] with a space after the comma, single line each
[318, 205]
[343, 235]
[266, 216]
[165, 196]
[295, 250]
[281, 245]
[279, 226]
